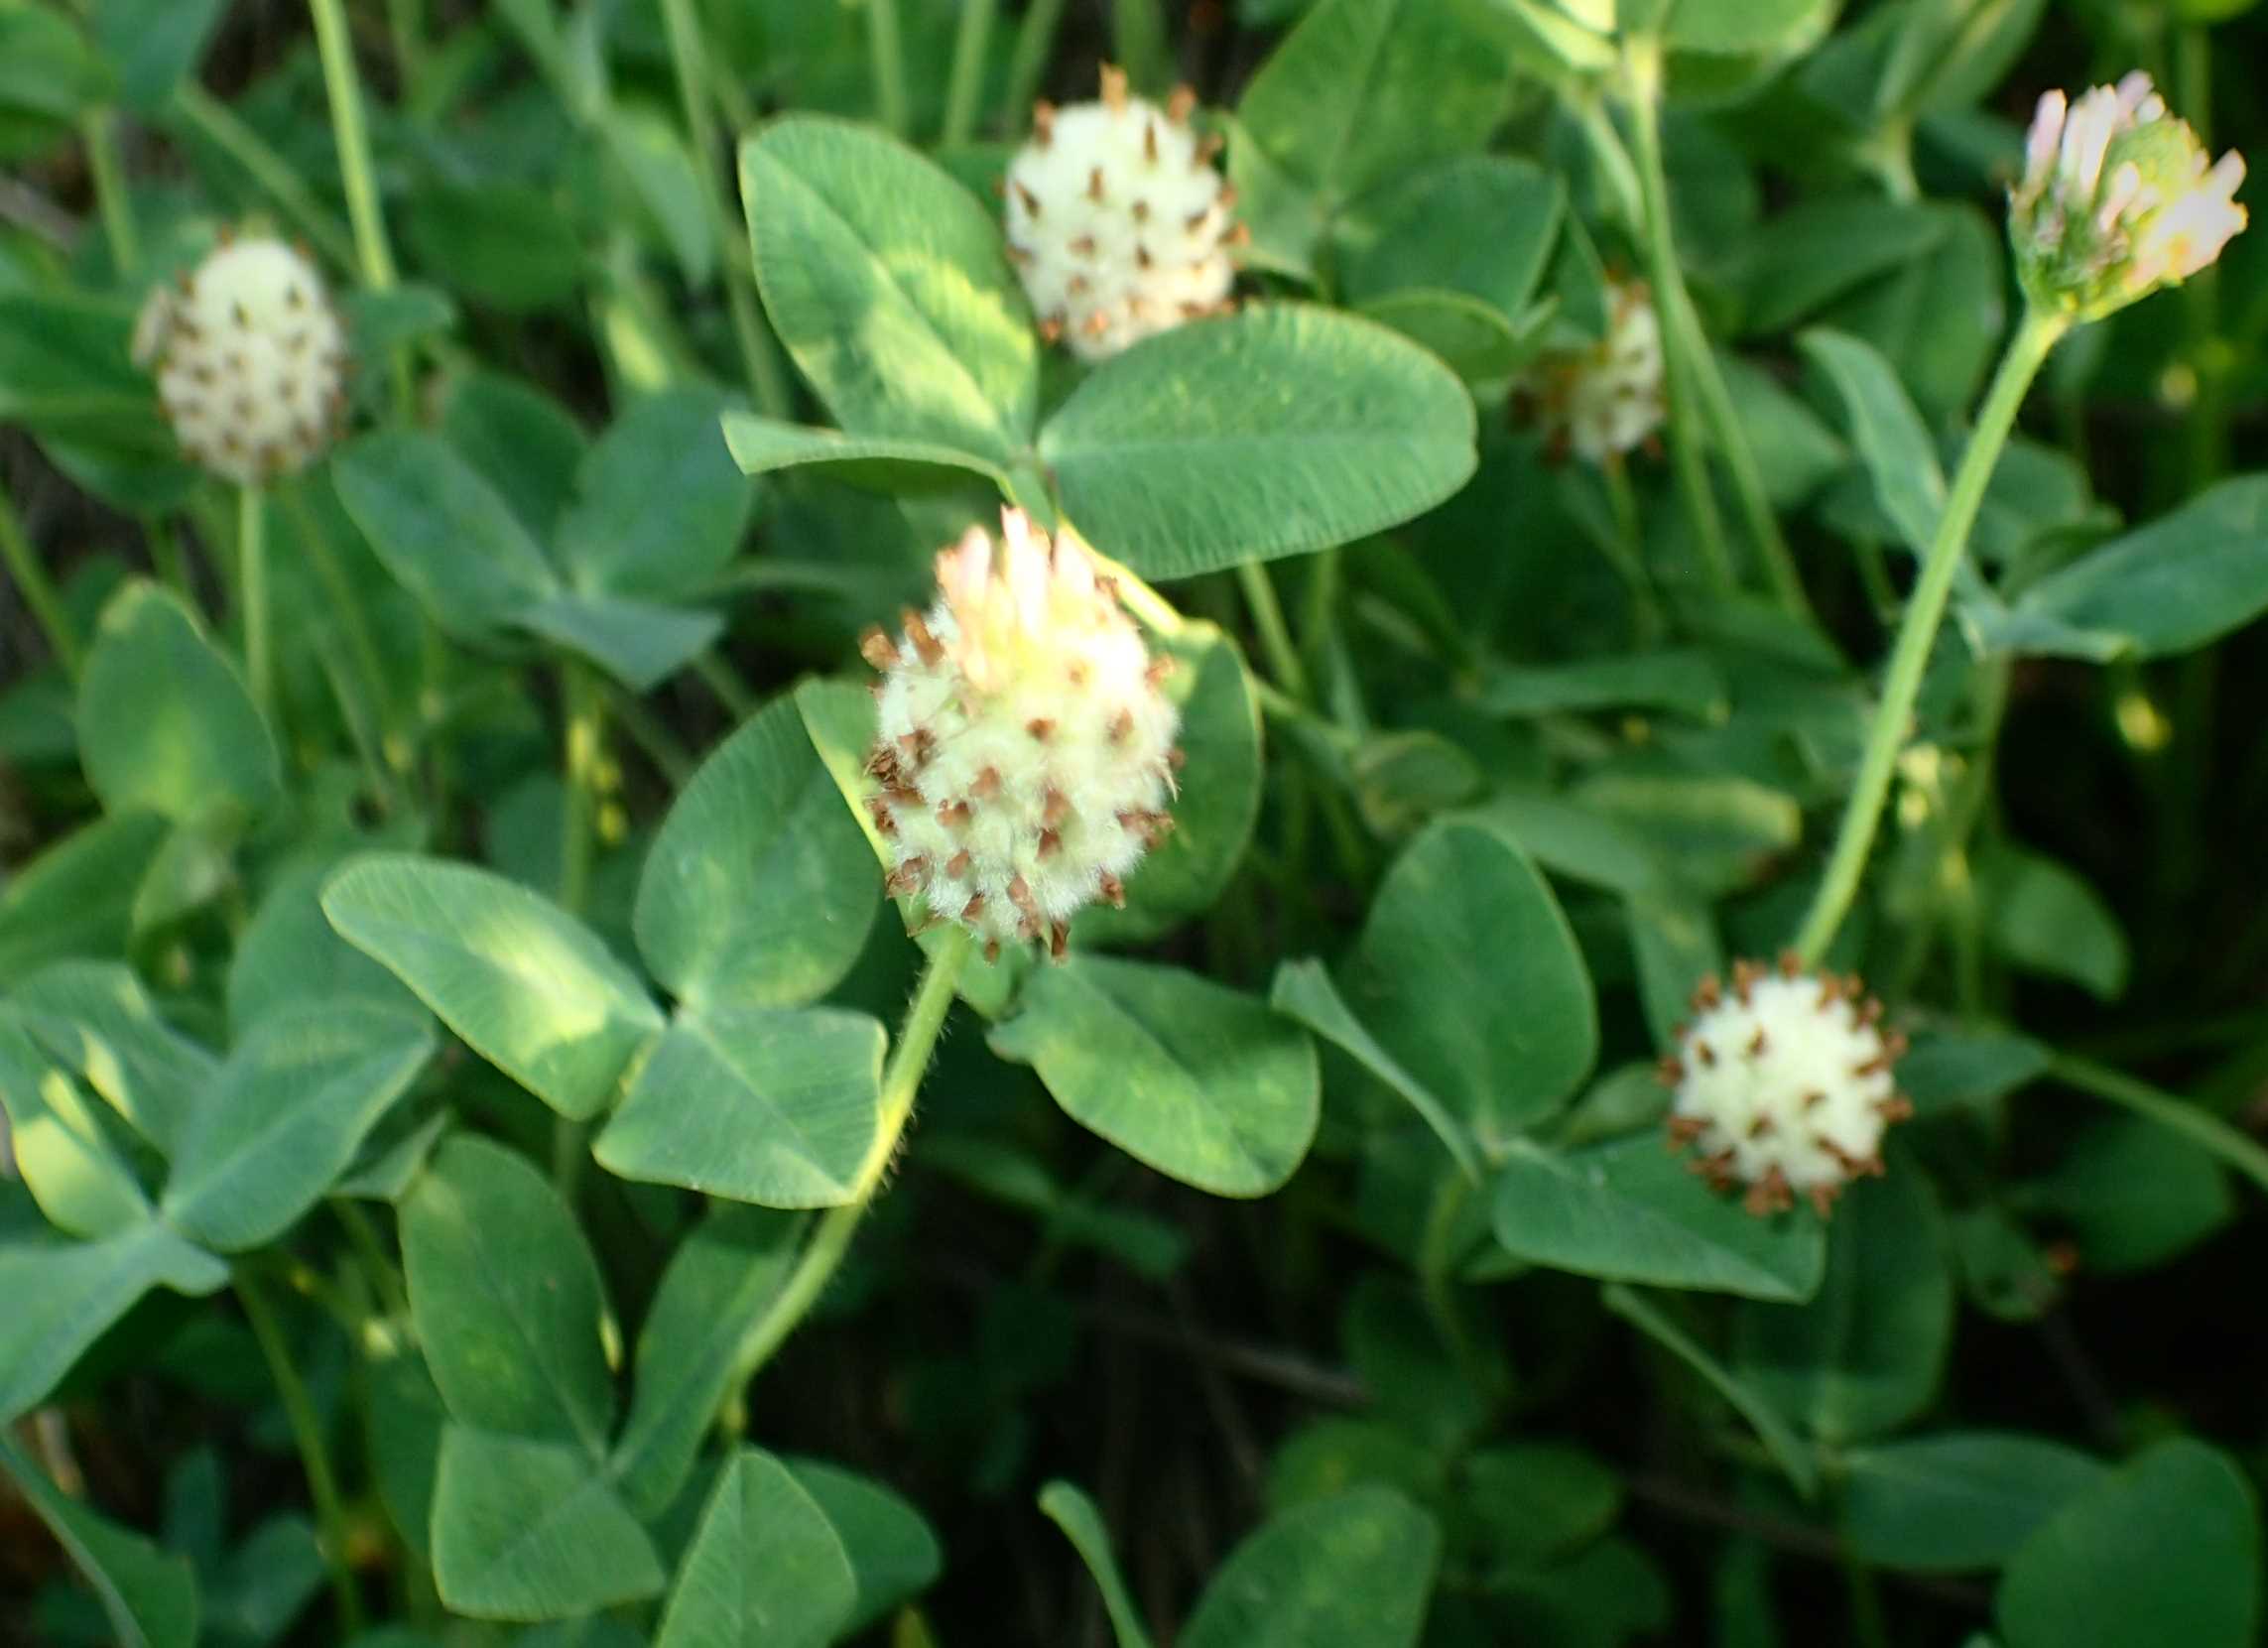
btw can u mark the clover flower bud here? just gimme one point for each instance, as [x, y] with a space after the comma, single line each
[1605, 399]
[251, 360]
[2117, 199]
[1783, 1084]
[1024, 754]
[1118, 222]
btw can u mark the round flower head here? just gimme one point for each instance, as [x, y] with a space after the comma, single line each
[1605, 399]
[1025, 753]
[1117, 221]
[251, 360]
[1784, 1084]
[2117, 199]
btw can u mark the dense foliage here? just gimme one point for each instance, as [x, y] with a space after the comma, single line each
[1309, 823]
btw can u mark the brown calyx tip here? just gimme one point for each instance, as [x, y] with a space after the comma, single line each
[1059, 941]
[1095, 183]
[1043, 122]
[1706, 995]
[955, 814]
[1769, 1195]
[1684, 1130]
[1040, 728]
[1670, 1069]
[1114, 87]
[1112, 890]
[929, 649]
[1182, 105]
[1030, 201]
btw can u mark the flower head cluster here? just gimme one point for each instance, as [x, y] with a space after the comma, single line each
[1024, 754]
[2117, 199]
[251, 360]
[1118, 222]
[1784, 1084]
[1607, 398]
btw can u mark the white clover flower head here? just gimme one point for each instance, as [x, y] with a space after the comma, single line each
[1784, 1084]
[1605, 399]
[1118, 222]
[1024, 754]
[2117, 198]
[251, 360]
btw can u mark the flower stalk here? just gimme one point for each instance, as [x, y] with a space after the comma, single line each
[1917, 633]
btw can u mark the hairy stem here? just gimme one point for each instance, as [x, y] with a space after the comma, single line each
[823, 1254]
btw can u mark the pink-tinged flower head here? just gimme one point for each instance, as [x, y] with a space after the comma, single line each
[2117, 198]
[1025, 755]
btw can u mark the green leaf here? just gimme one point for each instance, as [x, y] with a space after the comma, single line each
[1686, 681]
[506, 1298]
[759, 889]
[1866, 1353]
[285, 1116]
[502, 243]
[1417, 233]
[96, 1017]
[1537, 1502]
[1959, 1500]
[1629, 1211]
[530, 1530]
[526, 445]
[666, 179]
[660, 506]
[766, 1566]
[77, 897]
[1200, 1083]
[149, 1595]
[1220, 799]
[778, 1106]
[1473, 339]
[57, 1142]
[2170, 586]
[1364, 90]
[290, 956]
[1069, 1509]
[2043, 917]
[639, 644]
[164, 724]
[2129, 1194]
[68, 1294]
[1888, 432]
[2166, 1550]
[894, 1554]
[1359, 1568]
[153, 45]
[442, 529]
[883, 463]
[1805, 257]
[1503, 1047]
[528, 987]
[1304, 992]
[1280, 430]
[1744, 28]
[890, 287]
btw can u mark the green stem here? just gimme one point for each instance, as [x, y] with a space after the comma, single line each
[406, 19]
[1747, 478]
[1283, 661]
[1035, 46]
[38, 590]
[967, 87]
[377, 1263]
[648, 731]
[269, 170]
[252, 595]
[372, 252]
[689, 56]
[585, 710]
[887, 47]
[1642, 64]
[2154, 1104]
[1910, 657]
[307, 1433]
[901, 1080]
[99, 127]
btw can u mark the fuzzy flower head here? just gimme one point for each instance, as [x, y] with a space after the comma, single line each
[2118, 199]
[1605, 399]
[1117, 221]
[251, 360]
[1024, 754]
[1784, 1084]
